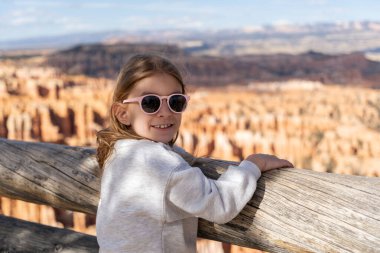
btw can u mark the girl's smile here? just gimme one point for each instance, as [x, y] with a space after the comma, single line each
[163, 126]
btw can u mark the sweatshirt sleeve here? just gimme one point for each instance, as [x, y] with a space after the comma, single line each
[190, 192]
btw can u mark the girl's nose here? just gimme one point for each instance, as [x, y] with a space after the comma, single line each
[164, 110]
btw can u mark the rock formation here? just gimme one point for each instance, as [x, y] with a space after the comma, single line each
[324, 128]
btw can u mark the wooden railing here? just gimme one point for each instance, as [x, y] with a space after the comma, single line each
[293, 210]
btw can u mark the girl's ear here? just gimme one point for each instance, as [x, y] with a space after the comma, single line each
[121, 113]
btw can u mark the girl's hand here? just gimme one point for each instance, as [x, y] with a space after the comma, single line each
[268, 162]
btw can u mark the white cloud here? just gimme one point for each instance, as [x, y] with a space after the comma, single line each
[136, 22]
[317, 2]
[282, 22]
[72, 24]
[36, 3]
[19, 21]
[139, 22]
[184, 22]
[178, 7]
[33, 15]
[339, 10]
[22, 17]
[95, 5]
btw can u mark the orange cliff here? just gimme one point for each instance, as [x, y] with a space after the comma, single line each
[329, 128]
[41, 105]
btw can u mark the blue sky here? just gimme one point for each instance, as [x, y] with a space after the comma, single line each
[35, 18]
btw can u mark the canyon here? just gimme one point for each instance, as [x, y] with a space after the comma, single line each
[317, 126]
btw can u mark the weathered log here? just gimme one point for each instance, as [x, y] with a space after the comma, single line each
[293, 210]
[23, 236]
[57, 175]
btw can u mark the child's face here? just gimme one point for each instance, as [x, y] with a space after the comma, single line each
[163, 125]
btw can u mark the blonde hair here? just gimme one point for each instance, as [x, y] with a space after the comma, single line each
[137, 68]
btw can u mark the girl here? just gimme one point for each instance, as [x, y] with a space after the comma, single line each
[151, 197]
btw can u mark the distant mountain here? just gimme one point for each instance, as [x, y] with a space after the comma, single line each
[57, 42]
[330, 38]
[373, 50]
[106, 60]
[100, 60]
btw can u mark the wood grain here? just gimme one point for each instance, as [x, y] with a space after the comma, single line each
[23, 236]
[293, 210]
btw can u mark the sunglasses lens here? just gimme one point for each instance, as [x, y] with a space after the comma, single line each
[177, 103]
[150, 104]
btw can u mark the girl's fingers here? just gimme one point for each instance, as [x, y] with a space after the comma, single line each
[286, 164]
[289, 164]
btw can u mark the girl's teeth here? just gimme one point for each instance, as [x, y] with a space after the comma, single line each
[162, 126]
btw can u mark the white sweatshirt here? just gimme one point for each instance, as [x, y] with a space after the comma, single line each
[151, 199]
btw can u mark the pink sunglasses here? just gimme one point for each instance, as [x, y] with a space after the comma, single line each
[151, 103]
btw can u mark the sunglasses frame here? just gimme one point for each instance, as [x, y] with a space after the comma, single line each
[139, 100]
